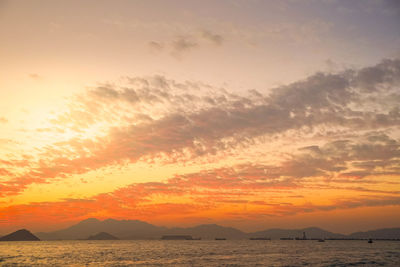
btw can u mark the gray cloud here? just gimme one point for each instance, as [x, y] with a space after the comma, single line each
[157, 46]
[372, 79]
[212, 37]
[183, 43]
[372, 154]
[187, 42]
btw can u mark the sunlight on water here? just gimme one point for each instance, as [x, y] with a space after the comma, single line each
[200, 253]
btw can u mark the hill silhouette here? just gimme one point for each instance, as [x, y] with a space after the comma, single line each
[102, 236]
[386, 233]
[135, 229]
[311, 232]
[20, 235]
[122, 229]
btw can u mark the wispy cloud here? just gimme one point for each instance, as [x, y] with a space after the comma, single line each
[183, 43]
[214, 38]
[156, 46]
[140, 201]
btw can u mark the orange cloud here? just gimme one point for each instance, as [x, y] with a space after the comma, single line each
[215, 194]
[159, 119]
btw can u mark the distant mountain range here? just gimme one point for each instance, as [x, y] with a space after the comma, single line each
[387, 233]
[310, 232]
[122, 229]
[135, 229]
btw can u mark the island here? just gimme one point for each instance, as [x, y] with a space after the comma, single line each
[20, 235]
[102, 236]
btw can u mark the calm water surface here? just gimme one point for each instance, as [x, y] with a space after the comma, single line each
[200, 253]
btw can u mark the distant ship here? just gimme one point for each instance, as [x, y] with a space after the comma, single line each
[286, 238]
[321, 240]
[260, 238]
[177, 237]
[220, 238]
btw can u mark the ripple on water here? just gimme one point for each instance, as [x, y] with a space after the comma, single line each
[199, 253]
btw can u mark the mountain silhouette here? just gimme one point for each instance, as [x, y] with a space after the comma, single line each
[386, 233]
[102, 236]
[122, 229]
[135, 229]
[20, 235]
[311, 232]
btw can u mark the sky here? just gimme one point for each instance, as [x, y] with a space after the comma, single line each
[251, 114]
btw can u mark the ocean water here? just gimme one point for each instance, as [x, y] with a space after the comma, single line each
[200, 253]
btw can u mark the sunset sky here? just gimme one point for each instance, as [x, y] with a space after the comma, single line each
[251, 114]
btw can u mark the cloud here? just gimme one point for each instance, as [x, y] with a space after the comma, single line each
[182, 44]
[287, 209]
[216, 39]
[375, 78]
[372, 154]
[335, 160]
[147, 202]
[160, 119]
[224, 190]
[156, 46]
[187, 42]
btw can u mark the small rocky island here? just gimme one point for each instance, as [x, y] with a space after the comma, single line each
[102, 236]
[20, 235]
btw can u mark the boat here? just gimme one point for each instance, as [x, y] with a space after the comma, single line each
[321, 240]
[260, 238]
[370, 241]
[220, 238]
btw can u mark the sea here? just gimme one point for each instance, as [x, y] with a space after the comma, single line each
[200, 253]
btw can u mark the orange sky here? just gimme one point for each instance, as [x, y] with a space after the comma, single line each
[186, 113]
